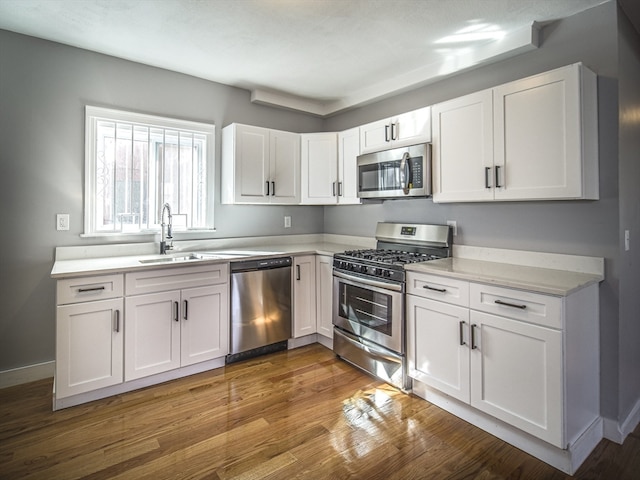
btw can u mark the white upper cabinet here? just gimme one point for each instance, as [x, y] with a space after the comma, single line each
[531, 139]
[462, 148]
[406, 129]
[319, 166]
[260, 165]
[328, 165]
[348, 151]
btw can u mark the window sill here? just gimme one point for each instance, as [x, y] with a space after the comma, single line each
[180, 235]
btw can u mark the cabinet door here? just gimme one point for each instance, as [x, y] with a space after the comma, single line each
[324, 290]
[284, 169]
[516, 374]
[538, 136]
[205, 319]
[319, 163]
[463, 149]
[412, 128]
[89, 342]
[152, 334]
[251, 164]
[304, 296]
[437, 345]
[375, 136]
[348, 151]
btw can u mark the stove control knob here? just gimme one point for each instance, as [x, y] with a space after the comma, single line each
[363, 269]
[387, 273]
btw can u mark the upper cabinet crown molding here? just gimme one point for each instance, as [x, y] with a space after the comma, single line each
[531, 139]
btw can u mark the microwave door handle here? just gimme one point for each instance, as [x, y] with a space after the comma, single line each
[405, 173]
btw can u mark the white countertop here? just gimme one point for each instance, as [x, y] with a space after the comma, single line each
[535, 279]
[125, 263]
[549, 273]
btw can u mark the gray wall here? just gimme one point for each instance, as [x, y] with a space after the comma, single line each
[629, 173]
[44, 87]
[572, 227]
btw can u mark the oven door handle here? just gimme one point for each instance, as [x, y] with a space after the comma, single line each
[371, 348]
[369, 282]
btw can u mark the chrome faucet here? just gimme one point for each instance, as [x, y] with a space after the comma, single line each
[165, 236]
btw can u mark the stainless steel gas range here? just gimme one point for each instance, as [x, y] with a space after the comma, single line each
[368, 297]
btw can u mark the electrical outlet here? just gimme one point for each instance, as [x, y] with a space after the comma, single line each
[453, 224]
[626, 241]
[287, 221]
[62, 221]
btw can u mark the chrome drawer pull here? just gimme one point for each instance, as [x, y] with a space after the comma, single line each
[513, 305]
[92, 289]
[440, 290]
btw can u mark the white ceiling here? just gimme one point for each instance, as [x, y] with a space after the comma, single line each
[319, 56]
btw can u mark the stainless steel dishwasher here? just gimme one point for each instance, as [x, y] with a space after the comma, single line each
[260, 307]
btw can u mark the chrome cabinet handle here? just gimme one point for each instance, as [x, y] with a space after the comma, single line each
[91, 289]
[340, 189]
[461, 325]
[117, 329]
[440, 290]
[486, 177]
[175, 315]
[512, 305]
[333, 189]
[473, 337]
[393, 131]
[186, 306]
[267, 188]
[273, 188]
[498, 177]
[297, 272]
[386, 133]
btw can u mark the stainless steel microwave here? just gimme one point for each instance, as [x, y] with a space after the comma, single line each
[398, 173]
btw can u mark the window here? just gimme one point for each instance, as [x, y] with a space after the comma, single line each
[136, 163]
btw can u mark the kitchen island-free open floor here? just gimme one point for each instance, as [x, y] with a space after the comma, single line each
[302, 414]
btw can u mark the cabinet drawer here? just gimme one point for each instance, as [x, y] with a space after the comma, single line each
[88, 289]
[439, 288]
[535, 308]
[150, 281]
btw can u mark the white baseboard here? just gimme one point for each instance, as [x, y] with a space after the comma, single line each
[618, 431]
[30, 373]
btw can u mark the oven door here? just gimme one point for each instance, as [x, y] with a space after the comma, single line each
[369, 309]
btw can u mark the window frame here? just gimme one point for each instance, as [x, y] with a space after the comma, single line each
[93, 115]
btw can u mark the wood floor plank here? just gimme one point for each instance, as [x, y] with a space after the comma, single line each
[298, 414]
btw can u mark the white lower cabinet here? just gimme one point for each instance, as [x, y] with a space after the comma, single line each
[437, 356]
[89, 334]
[324, 293]
[525, 358]
[173, 328]
[89, 343]
[112, 330]
[168, 330]
[304, 295]
[516, 374]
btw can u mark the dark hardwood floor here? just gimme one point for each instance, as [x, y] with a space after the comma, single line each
[300, 414]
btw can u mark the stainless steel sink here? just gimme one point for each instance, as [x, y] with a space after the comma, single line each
[174, 258]
[193, 256]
